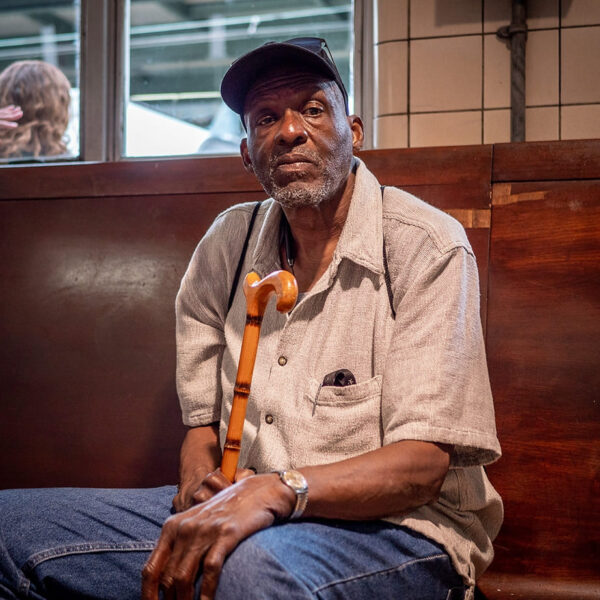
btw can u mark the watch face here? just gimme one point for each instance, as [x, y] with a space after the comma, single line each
[296, 480]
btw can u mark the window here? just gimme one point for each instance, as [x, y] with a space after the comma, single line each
[144, 75]
[46, 33]
[179, 52]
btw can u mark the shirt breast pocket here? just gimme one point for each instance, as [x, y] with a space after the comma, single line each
[340, 422]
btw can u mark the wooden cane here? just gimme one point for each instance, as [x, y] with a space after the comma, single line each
[257, 292]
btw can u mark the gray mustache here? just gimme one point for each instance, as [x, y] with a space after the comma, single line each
[308, 155]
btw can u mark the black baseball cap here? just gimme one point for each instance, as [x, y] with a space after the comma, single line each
[306, 52]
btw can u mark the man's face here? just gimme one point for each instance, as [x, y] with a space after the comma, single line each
[300, 140]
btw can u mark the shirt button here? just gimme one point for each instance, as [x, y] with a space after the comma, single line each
[269, 419]
[282, 360]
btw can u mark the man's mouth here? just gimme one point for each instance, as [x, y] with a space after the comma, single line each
[292, 159]
[295, 166]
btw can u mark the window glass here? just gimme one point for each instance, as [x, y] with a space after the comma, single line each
[39, 72]
[179, 52]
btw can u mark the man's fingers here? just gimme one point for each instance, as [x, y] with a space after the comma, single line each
[182, 567]
[183, 499]
[243, 474]
[151, 579]
[186, 575]
[213, 564]
[212, 484]
[178, 502]
[217, 480]
[151, 573]
[201, 495]
[206, 534]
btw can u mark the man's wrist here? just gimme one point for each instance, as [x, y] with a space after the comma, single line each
[296, 483]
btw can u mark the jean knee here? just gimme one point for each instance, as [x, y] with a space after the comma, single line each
[252, 572]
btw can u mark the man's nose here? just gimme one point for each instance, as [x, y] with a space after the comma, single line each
[291, 129]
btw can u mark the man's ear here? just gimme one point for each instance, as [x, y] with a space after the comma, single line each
[246, 155]
[358, 132]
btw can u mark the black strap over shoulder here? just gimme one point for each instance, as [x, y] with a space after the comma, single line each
[238, 271]
[386, 270]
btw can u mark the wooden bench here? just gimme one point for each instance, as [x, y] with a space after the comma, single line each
[92, 256]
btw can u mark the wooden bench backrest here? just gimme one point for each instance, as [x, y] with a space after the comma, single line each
[92, 256]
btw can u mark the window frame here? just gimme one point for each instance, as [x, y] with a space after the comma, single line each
[104, 82]
[103, 55]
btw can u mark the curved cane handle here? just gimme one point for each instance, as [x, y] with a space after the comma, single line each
[257, 293]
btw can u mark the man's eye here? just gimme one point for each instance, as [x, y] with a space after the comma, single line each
[313, 111]
[265, 120]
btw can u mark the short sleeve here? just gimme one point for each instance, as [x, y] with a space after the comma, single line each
[435, 385]
[201, 309]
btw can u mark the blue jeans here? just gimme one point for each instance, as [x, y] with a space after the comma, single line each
[89, 543]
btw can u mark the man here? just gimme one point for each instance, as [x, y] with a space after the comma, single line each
[370, 415]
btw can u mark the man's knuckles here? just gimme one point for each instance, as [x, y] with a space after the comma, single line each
[217, 480]
[244, 474]
[167, 582]
[228, 529]
[201, 495]
[213, 565]
[188, 529]
[150, 572]
[183, 578]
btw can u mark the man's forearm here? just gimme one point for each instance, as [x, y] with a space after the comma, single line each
[387, 481]
[200, 450]
[200, 455]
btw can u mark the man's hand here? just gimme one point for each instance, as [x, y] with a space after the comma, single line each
[197, 489]
[9, 115]
[203, 536]
[200, 455]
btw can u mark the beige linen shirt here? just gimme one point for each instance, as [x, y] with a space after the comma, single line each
[420, 376]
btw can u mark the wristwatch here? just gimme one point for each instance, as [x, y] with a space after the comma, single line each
[296, 482]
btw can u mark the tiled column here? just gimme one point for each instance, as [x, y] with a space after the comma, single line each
[580, 70]
[445, 73]
[443, 76]
[391, 60]
[541, 74]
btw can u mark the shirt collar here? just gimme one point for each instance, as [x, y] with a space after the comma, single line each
[361, 240]
[265, 258]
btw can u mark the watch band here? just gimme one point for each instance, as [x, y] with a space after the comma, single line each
[298, 484]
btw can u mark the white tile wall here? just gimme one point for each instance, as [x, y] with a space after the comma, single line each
[455, 73]
[496, 14]
[580, 122]
[391, 132]
[540, 124]
[541, 14]
[392, 20]
[392, 89]
[541, 68]
[445, 74]
[580, 66]
[445, 129]
[580, 12]
[432, 18]
[496, 73]
[496, 126]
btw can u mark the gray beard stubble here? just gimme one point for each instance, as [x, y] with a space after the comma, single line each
[298, 194]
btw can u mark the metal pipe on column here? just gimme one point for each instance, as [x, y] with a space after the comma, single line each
[516, 35]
